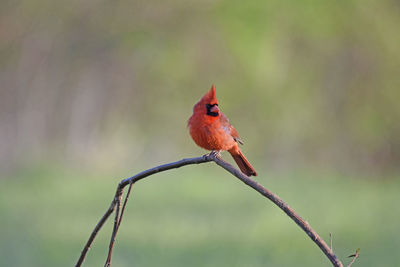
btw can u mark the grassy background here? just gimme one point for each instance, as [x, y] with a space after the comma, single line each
[197, 216]
[95, 91]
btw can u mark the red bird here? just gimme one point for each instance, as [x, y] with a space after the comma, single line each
[210, 129]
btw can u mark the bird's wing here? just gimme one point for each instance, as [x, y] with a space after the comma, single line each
[230, 129]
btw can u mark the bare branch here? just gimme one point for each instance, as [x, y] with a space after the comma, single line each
[117, 223]
[283, 206]
[116, 226]
[94, 233]
[124, 206]
[132, 180]
[206, 158]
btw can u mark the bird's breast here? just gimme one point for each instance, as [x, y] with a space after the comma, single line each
[211, 136]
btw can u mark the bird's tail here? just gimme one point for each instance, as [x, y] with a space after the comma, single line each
[242, 162]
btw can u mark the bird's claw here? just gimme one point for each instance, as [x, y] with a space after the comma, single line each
[215, 153]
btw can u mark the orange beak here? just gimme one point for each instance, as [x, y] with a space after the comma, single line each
[214, 109]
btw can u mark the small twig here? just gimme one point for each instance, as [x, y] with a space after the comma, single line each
[206, 158]
[118, 198]
[94, 234]
[330, 239]
[125, 201]
[354, 256]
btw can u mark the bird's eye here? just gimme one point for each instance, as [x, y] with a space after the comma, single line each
[208, 106]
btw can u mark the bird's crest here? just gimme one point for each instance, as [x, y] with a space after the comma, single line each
[210, 97]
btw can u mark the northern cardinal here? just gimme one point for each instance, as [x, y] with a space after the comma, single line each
[210, 129]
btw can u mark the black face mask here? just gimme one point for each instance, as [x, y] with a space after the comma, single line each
[209, 112]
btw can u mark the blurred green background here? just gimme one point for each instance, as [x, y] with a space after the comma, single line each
[92, 92]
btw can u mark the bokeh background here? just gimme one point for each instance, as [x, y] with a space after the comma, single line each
[92, 92]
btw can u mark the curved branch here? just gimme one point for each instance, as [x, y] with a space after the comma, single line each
[245, 179]
[132, 180]
[283, 206]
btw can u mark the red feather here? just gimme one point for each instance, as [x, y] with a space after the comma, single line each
[210, 129]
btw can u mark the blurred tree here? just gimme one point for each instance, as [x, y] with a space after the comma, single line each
[102, 79]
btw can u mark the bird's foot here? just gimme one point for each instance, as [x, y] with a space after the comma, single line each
[215, 153]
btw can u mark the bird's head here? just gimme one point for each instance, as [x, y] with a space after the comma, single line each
[208, 104]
